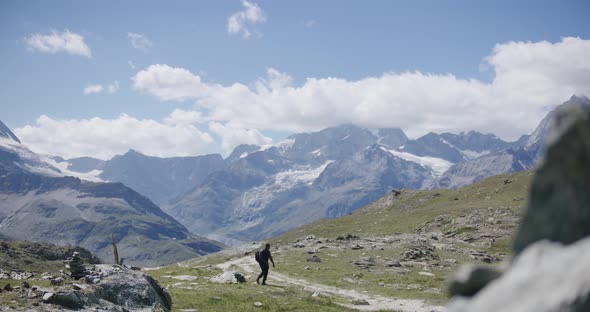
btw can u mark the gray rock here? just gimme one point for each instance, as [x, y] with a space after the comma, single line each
[470, 279]
[360, 302]
[47, 297]
[545, 277]
[68, 299]
[554, 274]
[364, 263]
[228, 277]
[258, 304]
[314, 258]
[559, 203]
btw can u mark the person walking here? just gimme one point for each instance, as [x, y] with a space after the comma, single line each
[263, 257]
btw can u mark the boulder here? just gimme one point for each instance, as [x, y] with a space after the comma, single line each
[559, 203]
[119, 289]
[228, 277]
[545, 277]
[470, 279]
[552, 246]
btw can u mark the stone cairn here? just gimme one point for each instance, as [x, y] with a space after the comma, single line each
[76, 266]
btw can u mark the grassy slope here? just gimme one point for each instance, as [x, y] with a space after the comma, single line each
[412, 208]
[386, 218]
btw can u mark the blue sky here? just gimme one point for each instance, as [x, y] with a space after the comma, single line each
[355, 42]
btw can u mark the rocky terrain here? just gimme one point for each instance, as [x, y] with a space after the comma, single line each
[80, 285]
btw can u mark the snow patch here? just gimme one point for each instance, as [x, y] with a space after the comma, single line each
[438, 165]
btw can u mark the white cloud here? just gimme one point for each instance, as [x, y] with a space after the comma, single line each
[104, 138]
[169, 83]
[184, 117]
[113, 87]
[232, 136]
[529, 77]
[240, 23]
[93, 89]
[66, 41]
[309, 23]
[139, 41]
[97, 88]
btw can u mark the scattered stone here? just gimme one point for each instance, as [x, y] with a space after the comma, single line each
[7, 287]
[396, 264]
[258, 304]
[360, 302]
[25, 284]
[314, 258]
[426, 274]
[356, 247]
[56, 281]
[364, 263]
[47, 297]
[228, 277]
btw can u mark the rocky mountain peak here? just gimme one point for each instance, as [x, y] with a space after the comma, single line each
[6, 133]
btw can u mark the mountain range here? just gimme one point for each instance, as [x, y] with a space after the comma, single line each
[41, 202]
[261, 191]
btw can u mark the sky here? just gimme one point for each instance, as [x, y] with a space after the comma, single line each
[178, 78]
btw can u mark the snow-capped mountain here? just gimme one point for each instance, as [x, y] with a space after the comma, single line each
[520, 155]
[264, 190]
[40, 202]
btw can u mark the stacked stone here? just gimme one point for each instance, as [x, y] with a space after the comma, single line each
[76, 266]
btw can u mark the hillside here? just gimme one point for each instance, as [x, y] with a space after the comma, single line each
[41, 202]
[404, 246]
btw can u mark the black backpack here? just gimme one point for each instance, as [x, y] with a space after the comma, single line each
[257, 256]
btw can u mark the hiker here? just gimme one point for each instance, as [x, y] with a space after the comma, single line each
[262, 257]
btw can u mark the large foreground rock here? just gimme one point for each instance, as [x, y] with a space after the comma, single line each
[559, 202]
[110, 288]
[546, 277]
[552, 246]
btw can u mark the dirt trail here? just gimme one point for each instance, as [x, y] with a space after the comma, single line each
[376, 302]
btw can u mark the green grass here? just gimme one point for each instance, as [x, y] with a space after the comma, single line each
[206, 296]
[412, 208]
[403, 214]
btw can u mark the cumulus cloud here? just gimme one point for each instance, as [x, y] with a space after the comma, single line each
[528, 78]
[232, 136]
[104, 138]
[240, 23]
[139, 41]
[66, 41]
[169, 83]
[93, 89]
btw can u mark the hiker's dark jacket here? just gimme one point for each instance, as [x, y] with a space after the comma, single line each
[265, 256]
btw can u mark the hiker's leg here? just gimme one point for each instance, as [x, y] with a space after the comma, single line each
[265, 274]
[261, 273]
